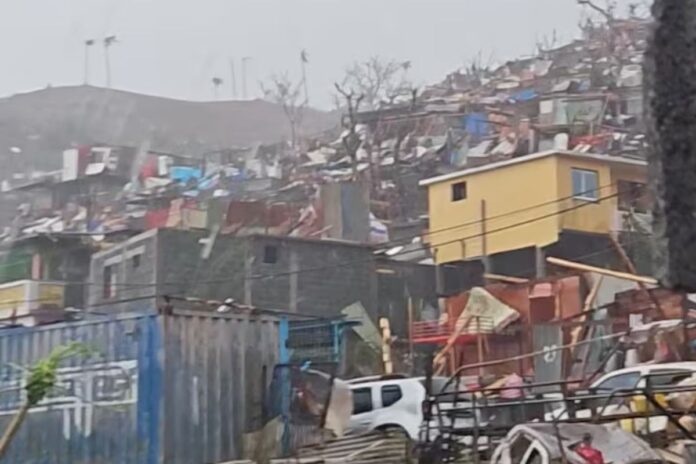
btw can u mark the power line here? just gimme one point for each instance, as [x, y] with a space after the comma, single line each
[432, 245]
[404, 240]
[407, 239]
[402, 252]
[509, 213]
[174, 297]
[156, 295]
[579, 258]
[405, 252]
[523, 223]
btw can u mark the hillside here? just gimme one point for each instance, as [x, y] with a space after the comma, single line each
[44, 122]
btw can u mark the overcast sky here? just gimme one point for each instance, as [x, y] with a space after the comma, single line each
[174, 47]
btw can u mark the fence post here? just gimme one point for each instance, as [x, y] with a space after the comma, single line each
[285, 387]
[283, 337]
[337, 333]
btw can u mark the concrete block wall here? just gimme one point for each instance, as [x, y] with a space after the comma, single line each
[135, 264]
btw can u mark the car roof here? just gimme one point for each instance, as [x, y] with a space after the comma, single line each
[377, 383]
[645, 368]
[387, 379]
[375, 378]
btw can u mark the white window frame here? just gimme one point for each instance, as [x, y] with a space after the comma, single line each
[585, 192]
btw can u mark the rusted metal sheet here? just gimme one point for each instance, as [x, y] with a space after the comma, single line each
[381, 447]
[539, 301]
[218, 367]
[638, 302]
[105, 408]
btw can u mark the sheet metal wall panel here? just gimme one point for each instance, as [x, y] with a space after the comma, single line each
[217, 370]
[548, 366]
[106, 409]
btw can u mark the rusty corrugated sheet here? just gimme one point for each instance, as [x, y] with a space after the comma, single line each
[538, 301]
[105, 408]
[217, 369]
[380, 447]
[637, 301]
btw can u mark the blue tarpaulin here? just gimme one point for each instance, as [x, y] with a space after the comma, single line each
[185, 173]
[476, 124]
[524, 95]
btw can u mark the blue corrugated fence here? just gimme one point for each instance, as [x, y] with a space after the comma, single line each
[181, 389]
[105, 408]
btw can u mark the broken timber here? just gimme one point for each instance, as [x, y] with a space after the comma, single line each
[602, 271]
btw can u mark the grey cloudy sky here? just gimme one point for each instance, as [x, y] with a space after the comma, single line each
[174, 47]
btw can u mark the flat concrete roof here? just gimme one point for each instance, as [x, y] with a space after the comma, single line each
[532, 157]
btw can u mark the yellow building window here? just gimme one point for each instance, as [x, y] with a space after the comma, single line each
[585, 183]
[459, 191]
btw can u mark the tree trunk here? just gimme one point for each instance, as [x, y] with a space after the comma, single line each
[13, 428]
[670, 87]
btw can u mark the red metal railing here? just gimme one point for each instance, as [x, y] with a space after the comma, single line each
[437, 332]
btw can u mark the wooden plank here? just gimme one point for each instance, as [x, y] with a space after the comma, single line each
[582, 330]
[479, 345]
[451, 341]
[600, 270]
[589, 302]
[506, 279]
[386, 345]
[410, 332]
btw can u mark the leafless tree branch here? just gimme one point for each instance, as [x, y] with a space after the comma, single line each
[607, 13]
[378, 80]
[288, 94]
[351, 141]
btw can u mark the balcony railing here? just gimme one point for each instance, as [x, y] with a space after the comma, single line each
[440, 332]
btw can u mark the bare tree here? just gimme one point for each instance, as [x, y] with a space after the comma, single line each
[288, 94]
[474, 68]
[607, 12]
[351, 140]
[547, 43]
[377, 80]
[404, 130]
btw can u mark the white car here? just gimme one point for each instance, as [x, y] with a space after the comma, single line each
[392, 402]
[660, 375]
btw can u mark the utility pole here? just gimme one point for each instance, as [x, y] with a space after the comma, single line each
[108, 42]
[88, 45]
[233, 79]
[244, 76]
[217, 82]
[304, 60]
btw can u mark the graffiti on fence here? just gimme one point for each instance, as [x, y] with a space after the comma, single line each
[78, 392]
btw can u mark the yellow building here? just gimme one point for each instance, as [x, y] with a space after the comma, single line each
[22, 301]
[531, 202]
